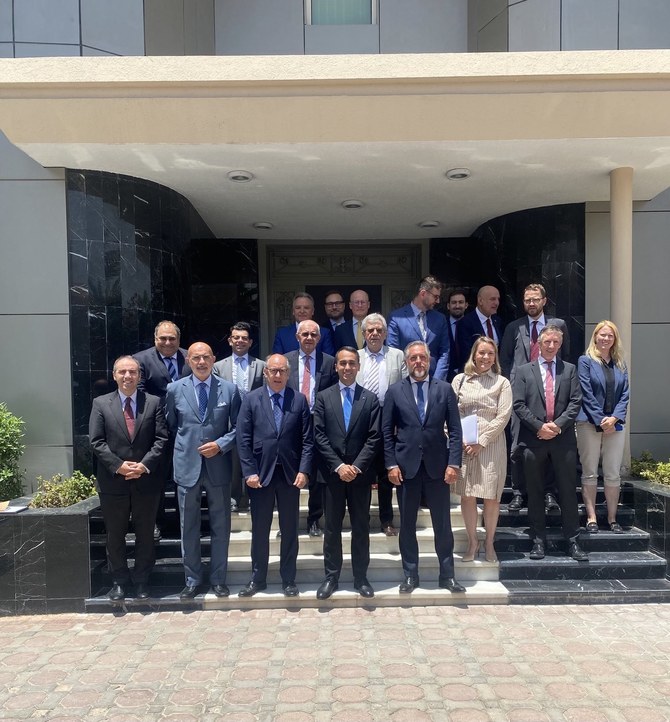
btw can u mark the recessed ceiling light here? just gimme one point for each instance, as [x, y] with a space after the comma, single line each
[458, 173]
[428, 224]
[352, 204]
[240, 176]
[263, 226]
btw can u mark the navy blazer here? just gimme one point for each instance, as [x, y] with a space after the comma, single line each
[592, 381]
[344, 336]
[154, 374]
[261, 447]
[403, 328]
[469, 329]
[407, 443]
[515, 345]
[286, 341]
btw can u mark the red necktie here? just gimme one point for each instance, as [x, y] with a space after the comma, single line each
[128, 416]
[534, 347]
[489, 329]
[304, 388]
[549, 392]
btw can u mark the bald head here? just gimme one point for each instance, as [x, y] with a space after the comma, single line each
[201, 360]
[488, 300]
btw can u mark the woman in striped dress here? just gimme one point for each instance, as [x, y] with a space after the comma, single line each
[486, 395]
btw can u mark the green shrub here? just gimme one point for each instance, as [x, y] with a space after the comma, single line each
[646, 467]
[11, 448]
[59, 490]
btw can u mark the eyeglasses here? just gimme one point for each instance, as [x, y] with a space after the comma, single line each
[436, 296]
[203, 357]
[276, 372]
[309, 334]
[360, 303]
[528, 301]
[334, 303]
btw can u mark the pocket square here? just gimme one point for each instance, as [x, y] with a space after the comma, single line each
[221, 403]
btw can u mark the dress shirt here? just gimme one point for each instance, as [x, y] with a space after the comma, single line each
[425, 392]
[133, 402]
[543, 370]
[335, 324]
[482, 320]
[353, 393]
[242, 364]
[453, 322]
[312, 375]
[196, 382]
[541, 323]
[271, 393]
[383, 376]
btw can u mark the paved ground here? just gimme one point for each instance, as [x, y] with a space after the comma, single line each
[591, 663]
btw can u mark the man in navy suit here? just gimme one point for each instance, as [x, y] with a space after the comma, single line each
[350, 333]
[333, 306]
[418, 321]
[164, 362]
[547, 399]
[303, 310]
[483, 321]
[201, 412]
[347, 437]
[420, 459]
[456, 305]
[274, 441]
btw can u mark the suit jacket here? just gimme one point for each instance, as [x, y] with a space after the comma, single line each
[407, 442]
[112, 444]
[261, 447]
[469, 329]
[344, 336]
[593, 385]
[530, 403]
[404, 328]
[286, 341]
[224, 369]
[189, 431]
[396, 369]
[325, 371]
[155, 377]
[515, 345]
[358, 445]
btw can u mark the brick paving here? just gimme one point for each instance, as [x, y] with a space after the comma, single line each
[433, 664]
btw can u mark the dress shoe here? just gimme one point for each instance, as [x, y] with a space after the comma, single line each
[142, 591]
[471, 554]
[537, 552]
[364, 589]
[550, 503]
[576, 552]
[116, 593]
[516, 503]
[290, 589]
[314, 529]
[233, 505]
[389, 530]
[409, 585]
[328, 586]
[451, 584]
[190, 591]
[220, 590]
[252, 588]
[157, 533]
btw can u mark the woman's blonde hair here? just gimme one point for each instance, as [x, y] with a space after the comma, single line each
[616, 351]
[470, 369]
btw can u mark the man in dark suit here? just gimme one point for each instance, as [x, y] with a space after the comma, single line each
[311, 371]
[457, 306]
[246, 372]
[201, 412]
[274, 441]
[483, 321]
[347, 438]
[333, 306]
[303, 310]
[547, 399]
[420, 460]
[520, 346]
[128, 435]
[418, 321]
[350, 333]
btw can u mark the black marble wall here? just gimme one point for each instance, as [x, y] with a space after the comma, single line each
[544, 245]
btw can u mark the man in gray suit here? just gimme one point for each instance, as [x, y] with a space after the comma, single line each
[246, 372]
[201, 412]
[380, 367]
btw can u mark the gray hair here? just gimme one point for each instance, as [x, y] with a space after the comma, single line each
[374, 318]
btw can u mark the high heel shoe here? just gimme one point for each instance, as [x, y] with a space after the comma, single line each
[492, 558]
[470, 557]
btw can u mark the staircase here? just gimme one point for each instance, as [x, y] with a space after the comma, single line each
[620, 568]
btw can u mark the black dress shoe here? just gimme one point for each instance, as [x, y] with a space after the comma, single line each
[220, 590]
[190, 591]
[451, 584]
[537, 552]
[516, 503]
[116, 593]
[314, 529]
[142, 591]
[550, 503]
[251, 589]
[409, 585]
[290, 589]
[328, 586]
[576, 552]
[364, 589]
[157, 533]
[389, 530]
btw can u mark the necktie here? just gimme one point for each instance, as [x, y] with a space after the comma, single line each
[240, 375]
[422, 325]
[129, 417]
[534, 347]
[172, 369]
[372, 380]
[276, 410]
[202, 399]
[304, 388]
[346, 408]
[420, 402]
[489, 329]
[549, 392]
[359, 334]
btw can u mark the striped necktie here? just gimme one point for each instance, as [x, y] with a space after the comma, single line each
[372, 375]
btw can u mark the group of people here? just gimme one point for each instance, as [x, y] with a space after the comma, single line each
[423, 403]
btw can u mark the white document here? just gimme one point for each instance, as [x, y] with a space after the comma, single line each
[469, 429]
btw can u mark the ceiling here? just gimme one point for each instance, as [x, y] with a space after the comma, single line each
[534, 130]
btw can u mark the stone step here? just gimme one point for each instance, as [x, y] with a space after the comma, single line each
[625, 516]
[589, 591]
[516, 539]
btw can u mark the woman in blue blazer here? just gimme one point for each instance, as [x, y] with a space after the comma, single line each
[600, 423]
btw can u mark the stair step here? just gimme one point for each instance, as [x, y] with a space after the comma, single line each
[625, 516]
[516, 539]
[591, 591]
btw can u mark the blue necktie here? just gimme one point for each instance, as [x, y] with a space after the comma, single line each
[420, 403]
[202, 399]
[276, 410]
[172, 370]
[346, 408]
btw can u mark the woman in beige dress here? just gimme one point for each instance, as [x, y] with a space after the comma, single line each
[483, 392]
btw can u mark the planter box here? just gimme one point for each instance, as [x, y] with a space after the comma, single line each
[652, 513]
[44, 558]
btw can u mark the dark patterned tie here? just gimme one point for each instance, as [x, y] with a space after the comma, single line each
[276, 410]
[202, 399]
[420, 401]
[129, 417]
